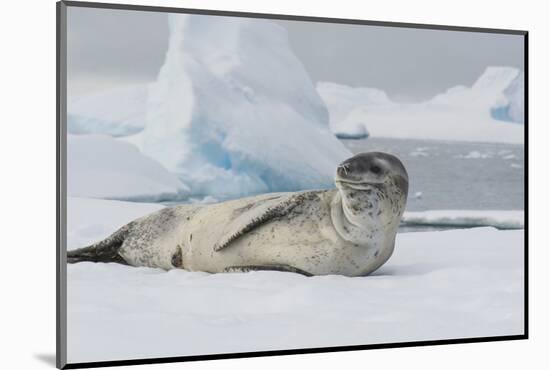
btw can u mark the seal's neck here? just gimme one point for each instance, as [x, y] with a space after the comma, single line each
[354, 229]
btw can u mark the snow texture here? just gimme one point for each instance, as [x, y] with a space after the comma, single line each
[512, 106]
[437, 285]
[461, 113]
[232, 117]
[102, 167]
[116, 112]
[466, 218]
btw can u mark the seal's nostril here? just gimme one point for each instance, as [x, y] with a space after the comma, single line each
[341, 170]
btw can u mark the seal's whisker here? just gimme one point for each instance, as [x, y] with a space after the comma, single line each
[344, 167]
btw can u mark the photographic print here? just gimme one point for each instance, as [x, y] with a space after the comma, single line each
[240, 184]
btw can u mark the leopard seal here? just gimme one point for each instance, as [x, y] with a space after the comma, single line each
[349, 230]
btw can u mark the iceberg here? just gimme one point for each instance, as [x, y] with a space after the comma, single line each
[232, 117]
[494, 80]
[115, 112]
[342, 99]
[512, 106]
[355, 130]
[460, 113]
[100, 166]
[485, 91]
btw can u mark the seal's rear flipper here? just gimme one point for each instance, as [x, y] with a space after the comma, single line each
[284, 268]
[93, 254]
[103, 251]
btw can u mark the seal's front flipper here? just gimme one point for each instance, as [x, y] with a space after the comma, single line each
[103, 251]
[259, 214]
[284, 268]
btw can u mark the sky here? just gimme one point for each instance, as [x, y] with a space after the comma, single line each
[107, 48]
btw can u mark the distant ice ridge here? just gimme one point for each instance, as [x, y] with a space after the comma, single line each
[101, 167]
[116, 112]
[231, 116]
[512, 106]
[466, 218]
[461, 113]
[344, 99]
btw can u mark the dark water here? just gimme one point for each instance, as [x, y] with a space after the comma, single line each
[456, 175]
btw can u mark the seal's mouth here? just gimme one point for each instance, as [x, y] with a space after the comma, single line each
[355, 184]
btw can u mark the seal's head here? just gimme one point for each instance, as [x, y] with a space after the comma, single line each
[373, 187]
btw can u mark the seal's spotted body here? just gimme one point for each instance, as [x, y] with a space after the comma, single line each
[349, 230]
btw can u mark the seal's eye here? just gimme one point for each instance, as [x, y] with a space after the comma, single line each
[375, 169]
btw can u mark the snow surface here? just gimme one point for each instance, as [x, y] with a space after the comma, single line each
[116, 112]
[512, 107]
[461, 113]
[231, 117]
[466, 218]
[437, 285]
[99, 166]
